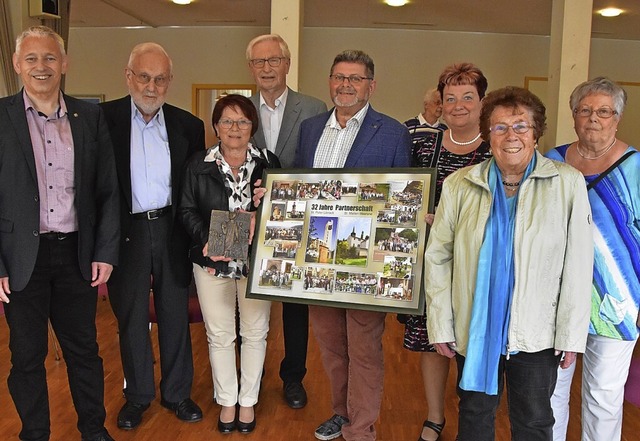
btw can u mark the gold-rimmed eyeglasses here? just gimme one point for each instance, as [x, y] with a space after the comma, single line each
[143, 78]
[603, 112]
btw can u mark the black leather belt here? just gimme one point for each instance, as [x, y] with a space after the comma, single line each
[58, 236]
[152, 214]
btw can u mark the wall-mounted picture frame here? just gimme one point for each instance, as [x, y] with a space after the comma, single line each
[94, 99]
[343, 238]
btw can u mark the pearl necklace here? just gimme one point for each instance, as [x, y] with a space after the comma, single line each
[462, 143]
[604, 151]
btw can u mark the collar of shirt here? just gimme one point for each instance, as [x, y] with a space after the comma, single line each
[280, 101]
[358, 117]
[62, 106]
[424, 122]
[136, 115]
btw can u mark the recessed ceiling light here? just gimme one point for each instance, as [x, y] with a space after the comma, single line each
[182, 2]
[610, 12]
[396, 2]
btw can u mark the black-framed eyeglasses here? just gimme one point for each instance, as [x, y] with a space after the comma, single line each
[143, 78]
[353, 79]
[519, 128]
[603, 112]
[273, 61]
[243, 124]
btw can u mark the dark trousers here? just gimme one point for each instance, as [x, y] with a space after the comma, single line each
[146, 254]
[55, 292]
[295, 327]
[531, 379]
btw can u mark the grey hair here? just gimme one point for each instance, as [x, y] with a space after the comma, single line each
[430, 94]
[355, 56]
[284, 47]
[40, 32]
[149, 47]
[599, 85]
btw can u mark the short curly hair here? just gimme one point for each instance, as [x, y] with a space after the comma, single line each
[599, 85]
[513, 97]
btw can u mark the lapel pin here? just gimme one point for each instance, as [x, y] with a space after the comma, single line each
[75, 114]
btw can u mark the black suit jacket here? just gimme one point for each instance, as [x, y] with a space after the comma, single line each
[186, 136]
[96, 198]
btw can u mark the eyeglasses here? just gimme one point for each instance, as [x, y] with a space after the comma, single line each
[273, 61]
[145, 79]
[602, 112]
[243, 124]
[519, 128]
[353, 79]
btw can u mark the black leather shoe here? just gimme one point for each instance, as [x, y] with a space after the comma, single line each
[102, 437]
[186, 410]
[130, 415]
[226, 427]
[295, 395]
[246, 427]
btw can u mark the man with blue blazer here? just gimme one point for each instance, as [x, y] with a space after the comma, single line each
[152, 141]
[281, 111]
[351, 135]
[59, 234]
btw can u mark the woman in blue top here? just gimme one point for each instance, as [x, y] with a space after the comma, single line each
[597, 107]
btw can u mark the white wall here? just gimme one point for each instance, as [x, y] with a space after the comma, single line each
[407, 61]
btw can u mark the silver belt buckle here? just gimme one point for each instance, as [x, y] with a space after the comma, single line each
[153, 215]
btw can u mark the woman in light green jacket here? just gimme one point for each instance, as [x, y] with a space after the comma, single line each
[507, 272]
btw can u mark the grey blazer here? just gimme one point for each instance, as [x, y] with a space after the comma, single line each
[298, 108]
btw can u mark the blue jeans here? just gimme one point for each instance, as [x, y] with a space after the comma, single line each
[531, 379]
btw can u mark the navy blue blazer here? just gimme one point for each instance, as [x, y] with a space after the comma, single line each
[381, 142]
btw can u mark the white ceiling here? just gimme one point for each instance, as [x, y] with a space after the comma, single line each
[499, 16]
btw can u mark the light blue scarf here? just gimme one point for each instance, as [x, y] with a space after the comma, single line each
[488, 329]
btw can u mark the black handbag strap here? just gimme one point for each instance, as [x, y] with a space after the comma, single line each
[609, 170]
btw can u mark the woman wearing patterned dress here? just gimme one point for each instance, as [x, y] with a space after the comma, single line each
[222, 178]
[614, 195]
[461, 86]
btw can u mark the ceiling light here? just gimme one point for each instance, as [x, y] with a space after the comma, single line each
[182, 2]
[396, 2]
[610, 12]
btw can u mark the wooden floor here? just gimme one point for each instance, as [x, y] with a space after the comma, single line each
[403, 405]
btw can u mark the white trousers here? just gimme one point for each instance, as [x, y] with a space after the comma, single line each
[217, 298]
[605, 367]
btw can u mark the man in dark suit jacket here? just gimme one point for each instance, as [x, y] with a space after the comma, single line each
[281, 110]
[59, 234]
[152, 141]
[351, 135]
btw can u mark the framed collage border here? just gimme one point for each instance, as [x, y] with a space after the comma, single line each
[342, 238]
